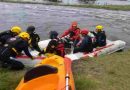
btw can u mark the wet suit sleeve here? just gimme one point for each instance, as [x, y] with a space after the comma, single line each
[37, 38]
[27, 51]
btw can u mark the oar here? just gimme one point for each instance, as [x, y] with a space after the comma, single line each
[68, 71]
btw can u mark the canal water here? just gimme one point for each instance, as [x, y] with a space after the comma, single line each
[47, 18]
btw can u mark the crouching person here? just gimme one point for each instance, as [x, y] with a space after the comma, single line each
[85, 45]
[12, 48]
[55, 45]
[34, 39]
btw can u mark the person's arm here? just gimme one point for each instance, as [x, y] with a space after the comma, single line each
[65, 33]
[27, 51]
[37, 38]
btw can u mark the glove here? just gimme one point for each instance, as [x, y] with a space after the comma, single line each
[32, 58]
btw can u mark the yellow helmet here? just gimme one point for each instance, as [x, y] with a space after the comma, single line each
[16, 29]
[24, 35]
[99, 27]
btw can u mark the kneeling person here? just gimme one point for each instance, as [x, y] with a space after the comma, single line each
[12, 48]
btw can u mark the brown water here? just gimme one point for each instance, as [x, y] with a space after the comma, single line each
[46, 18]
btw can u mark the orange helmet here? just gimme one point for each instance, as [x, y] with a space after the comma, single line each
[84, 31]
[74, 23]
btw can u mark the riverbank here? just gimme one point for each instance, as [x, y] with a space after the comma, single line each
[109, 72]
[107, 7]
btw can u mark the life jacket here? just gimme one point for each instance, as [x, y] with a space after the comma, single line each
[60, 44]
[60, 47]
[74, 34]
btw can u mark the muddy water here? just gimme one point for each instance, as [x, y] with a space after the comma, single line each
[46, 18]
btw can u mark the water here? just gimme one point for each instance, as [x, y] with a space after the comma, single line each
[46, 18]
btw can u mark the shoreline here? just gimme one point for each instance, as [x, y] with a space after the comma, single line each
[107, 7]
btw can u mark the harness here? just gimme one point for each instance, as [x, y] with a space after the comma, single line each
[60, 45]
[12, 43]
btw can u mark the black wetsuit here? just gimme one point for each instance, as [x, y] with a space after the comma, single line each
[5, 36]
[12, 48]
[100, 39]
[85, 46]
[34, 41]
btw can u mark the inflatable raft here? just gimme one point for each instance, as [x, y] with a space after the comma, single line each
[111, 47]
[52, 73]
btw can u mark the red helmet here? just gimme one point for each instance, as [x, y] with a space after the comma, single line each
[74, 23]
[84, 31]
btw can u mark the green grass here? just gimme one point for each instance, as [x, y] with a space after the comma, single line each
[109, 72]
[108, 7]
[10, 79]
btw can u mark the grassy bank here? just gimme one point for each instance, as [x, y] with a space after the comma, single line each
[108, 7]
[110, 72]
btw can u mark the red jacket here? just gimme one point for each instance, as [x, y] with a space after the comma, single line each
[75, 31]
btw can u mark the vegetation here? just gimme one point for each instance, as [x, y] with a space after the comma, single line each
[108, 7]
[111, 72]
[10, 79]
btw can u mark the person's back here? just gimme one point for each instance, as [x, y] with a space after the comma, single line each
[4, 36]
[101, 39]
[15, 30]
[86, 44]
[100, 36]
[18, 44]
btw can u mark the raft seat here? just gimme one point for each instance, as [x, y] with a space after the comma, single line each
[39, 71]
